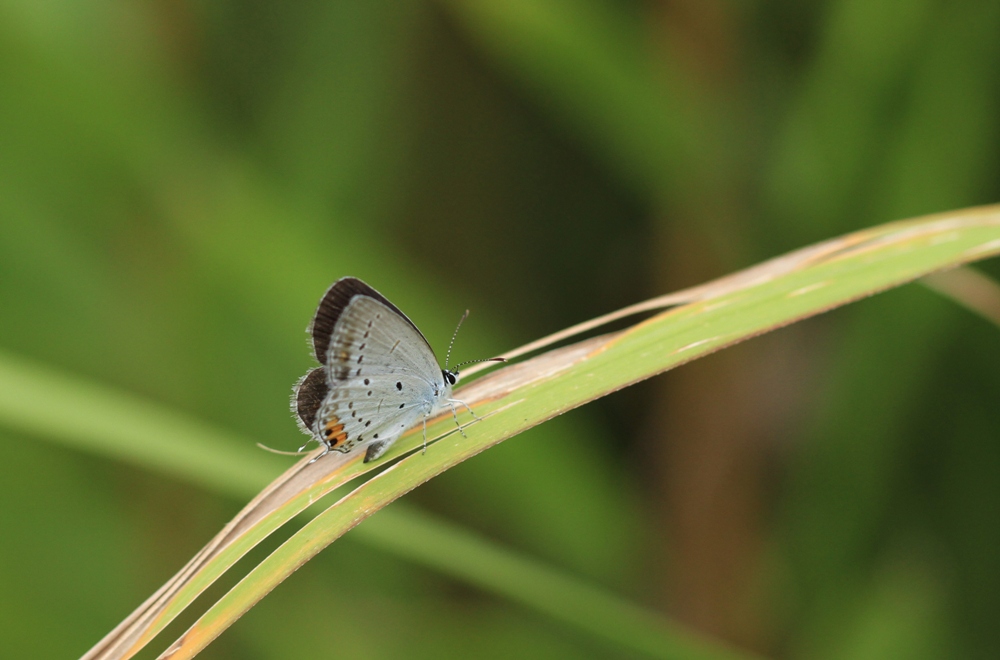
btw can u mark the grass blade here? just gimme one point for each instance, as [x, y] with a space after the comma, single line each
[776, 293]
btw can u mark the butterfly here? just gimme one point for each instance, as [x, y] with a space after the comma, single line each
[378, 375]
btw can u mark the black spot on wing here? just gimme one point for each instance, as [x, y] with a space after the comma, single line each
[307, 397]
[332, 305]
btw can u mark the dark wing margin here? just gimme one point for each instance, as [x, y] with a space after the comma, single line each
[332, 305]
[307, 397]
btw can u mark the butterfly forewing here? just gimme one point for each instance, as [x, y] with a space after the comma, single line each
[370, 335]
[332, 306]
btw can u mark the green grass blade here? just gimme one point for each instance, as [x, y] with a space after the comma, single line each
[779, 292]
[126, 427]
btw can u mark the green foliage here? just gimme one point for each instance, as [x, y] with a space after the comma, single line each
[181, 181]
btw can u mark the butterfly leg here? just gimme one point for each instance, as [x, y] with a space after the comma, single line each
[454, 413]
[424, 451]
[471, 412]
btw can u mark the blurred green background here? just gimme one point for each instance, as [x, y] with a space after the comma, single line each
[181, 180]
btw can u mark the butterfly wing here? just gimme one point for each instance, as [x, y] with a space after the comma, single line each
[382, 377]
[371, 335]
[307, 397]
[332, 306]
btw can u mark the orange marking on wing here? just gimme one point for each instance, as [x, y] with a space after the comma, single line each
[334, 432]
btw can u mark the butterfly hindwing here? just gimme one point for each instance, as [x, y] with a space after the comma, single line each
[347, 422]
[307, 397]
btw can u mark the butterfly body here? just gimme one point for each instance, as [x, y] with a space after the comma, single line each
[379, 376]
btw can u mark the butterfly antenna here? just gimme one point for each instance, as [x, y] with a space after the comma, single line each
[447, 357]
[496, 359]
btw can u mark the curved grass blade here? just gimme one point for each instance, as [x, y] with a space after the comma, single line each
[781, 291]
[126, 427]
